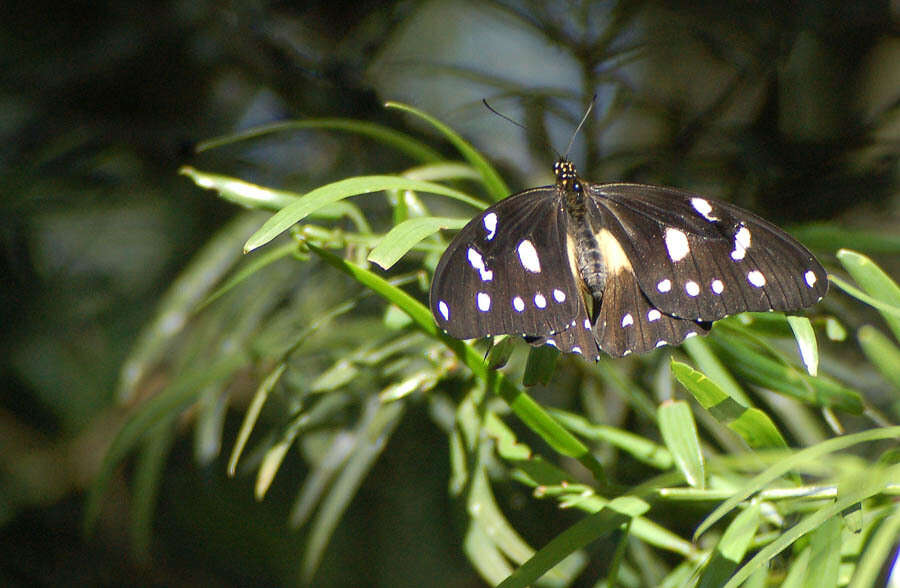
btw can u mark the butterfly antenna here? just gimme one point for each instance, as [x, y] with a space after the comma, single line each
[581, 124]
[515, 122]
[503, 116]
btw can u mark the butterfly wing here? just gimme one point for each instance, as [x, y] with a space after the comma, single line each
[702, 259]
[508, 272]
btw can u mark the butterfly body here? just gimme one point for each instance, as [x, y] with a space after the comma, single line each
[618, 268]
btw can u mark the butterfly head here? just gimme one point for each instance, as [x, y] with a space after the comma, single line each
[566, 176]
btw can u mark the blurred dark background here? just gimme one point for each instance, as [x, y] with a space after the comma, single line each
[790, 108]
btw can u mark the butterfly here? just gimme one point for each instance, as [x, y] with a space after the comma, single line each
[619, 268]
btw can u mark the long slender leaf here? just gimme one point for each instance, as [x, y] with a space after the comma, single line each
[876, 283]
[407, 235]
[617, 513]
[495, 185]
[375, 431]
[679, 431]
[783, 466]
[882, 352]
[866, 487]
[752, 424]
[329, 193]
[386, 135]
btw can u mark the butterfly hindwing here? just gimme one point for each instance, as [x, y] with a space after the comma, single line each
[703, 259]
[629, 323]
[507, 272]
[578, 337]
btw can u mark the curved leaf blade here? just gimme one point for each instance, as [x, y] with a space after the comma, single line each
[406, 235]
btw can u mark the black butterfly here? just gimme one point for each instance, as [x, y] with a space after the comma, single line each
[620, 268]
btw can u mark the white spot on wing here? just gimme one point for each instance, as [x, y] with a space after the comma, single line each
[703, 206]
[677, 244]
[690, 334]
[692, 288]
[540, 301]
[484, 301]
[756, 278]
[552, 343]
[661, 342]
[529, 257]
[444, 310]
[717, 286]
[518, 304]
[664, 285]
[654, 315]
[627, 320]
[810, 277]
[559, 296]
[587, 324]
[741, 243]
[490, 225]
[576, 349]
[477, 262]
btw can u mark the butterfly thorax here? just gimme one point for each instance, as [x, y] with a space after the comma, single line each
[585, 250]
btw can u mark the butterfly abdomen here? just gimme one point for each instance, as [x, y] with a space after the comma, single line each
[588, 255]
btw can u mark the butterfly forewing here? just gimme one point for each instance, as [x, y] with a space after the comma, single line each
[507, 272]
[703, 259]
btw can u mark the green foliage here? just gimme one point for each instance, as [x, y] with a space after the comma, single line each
[734, 477]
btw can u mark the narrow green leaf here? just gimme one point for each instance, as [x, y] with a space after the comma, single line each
[540, 365]
[493, 182]
[732, 548]
[806, 342]
[834, 330]
[252, 414]
[783, 466]
[483, 508]
[332, 462]
[271, 463]
[876, 284]
[679, 432]
[210, 411]
[254, 265]
[796, 574]
[240, 192]
[483, 554]
[883, 307]
[148, 475]
[329, 193]
[617, 513]
[403, 237]
[867, 487]
[639, 447]
[339, 374]
[500, 351]
[710, 365]
[386, 135]
[877, 552]
[780, 376]
[825, 554]
[752, 424]
[376, 428]
[882, 352]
